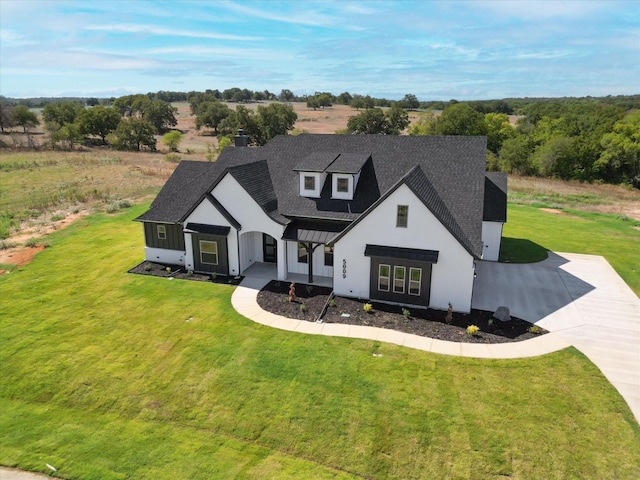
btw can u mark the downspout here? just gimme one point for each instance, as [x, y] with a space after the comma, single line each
[238, 246]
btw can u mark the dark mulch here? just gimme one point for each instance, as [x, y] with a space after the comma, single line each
[178, 271]
[424, 322]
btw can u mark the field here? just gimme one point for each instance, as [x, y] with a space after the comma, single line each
[106, 374]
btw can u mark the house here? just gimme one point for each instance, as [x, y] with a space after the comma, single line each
[400, 219]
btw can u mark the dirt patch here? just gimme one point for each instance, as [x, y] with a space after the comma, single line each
[555, 211]
[18, 256]
[431, 323]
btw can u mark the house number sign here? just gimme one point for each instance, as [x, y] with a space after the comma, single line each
[344, 268]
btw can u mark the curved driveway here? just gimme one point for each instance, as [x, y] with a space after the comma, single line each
[580, 299]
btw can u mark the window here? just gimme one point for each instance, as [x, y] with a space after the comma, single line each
[398, 279]
[162, 232]
[403, 216]
[415, 281]
[342, 185]
[383, 277]
[309, 182]
[303, 255]
[328, 256]
[209, 252]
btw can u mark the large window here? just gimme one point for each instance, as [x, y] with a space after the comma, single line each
[309, 182]
[328, 256]
[415, 281]
[162, 232]
[303, 255]
[398, 279]
[209, 252]
[402, 218]
[342, 185]
[383, 277]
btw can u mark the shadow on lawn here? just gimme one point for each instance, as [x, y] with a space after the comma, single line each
[521, 250]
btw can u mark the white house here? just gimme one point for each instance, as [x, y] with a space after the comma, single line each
[399, 219]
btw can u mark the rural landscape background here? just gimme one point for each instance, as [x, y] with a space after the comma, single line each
[109, 375]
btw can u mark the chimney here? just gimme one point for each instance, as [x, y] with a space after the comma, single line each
[241, 140]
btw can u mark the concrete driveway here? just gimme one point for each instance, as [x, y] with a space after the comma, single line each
[582, 299]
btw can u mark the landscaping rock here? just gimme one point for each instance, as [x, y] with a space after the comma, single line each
[502, 314]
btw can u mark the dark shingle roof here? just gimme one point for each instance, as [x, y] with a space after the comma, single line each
[454, 167]
[348, 163]
[495, 197]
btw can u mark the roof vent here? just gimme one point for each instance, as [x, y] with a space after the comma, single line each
[241, 140]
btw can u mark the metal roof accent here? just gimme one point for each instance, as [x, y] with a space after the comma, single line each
[429, 256]
[313, 231]
[208, 229]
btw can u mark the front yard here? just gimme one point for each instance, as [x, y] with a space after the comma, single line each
[109, 375]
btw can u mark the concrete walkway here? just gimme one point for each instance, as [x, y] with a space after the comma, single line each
[580, 299]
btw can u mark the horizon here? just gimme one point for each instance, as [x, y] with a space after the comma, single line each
[480, 50]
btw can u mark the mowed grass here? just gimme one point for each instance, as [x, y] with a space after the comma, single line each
[106, 374]
[530, 231]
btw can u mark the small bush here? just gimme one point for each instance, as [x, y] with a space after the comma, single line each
[303, 308]
[168, 269]
[214, 275]
[406, 312]
[147, 268]
[31, 243]
[332, 303]
[57, 217]
[534, 329]
[172, 157]
[6, 244]
[473, 330]
[367, 307]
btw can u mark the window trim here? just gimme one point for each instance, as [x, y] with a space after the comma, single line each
[387, 277]
[162, 232]
[311, 178]
[411, 281]
[402, 216]
[398, 268]
[203, 252]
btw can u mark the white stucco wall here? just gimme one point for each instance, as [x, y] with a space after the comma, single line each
[452, 276]
[207, 214]
[491, 238]
[161, 255]
[251, 217]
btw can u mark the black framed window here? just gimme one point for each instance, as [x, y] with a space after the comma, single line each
[328, 256]
[402, 218]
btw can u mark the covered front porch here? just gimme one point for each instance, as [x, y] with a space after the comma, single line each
[270, 271]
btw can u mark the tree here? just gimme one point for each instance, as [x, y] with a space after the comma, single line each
[461, 119]
[620, 157]
[61, 113]
[69, 134]
[425, 125]
[410, 102]
[274, 119]
[160, 114]
[344, 98]
[498, 130]
[133, 133]
[397, 120]
[25, 118]
[371, 121]
[99, 121]
[6, 116]
[286, 96]
[210, 114]
[514, 155]
[241, 118]
[172, 140]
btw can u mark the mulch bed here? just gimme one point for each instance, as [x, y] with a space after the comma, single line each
[178, 271]
[274, 297]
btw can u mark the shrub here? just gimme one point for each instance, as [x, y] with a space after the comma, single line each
[31, 243]
[332, 303]
[473, 330]
[406, 312]
[367, 307]
[534, 329]
[172, 157]
[303, 308]
[168, 269]
[147, 268]
[5, 244]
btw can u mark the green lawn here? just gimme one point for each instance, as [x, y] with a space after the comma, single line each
[105, 374]
[529, 232]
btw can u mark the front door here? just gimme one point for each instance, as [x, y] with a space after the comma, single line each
[269, 249]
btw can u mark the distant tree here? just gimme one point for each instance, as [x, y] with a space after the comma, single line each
[197, 99]
[397, 120]
[99, 121]
[514, 155]
[312, 102]
[274, 119]
[25, 118]
[461, 119]
[132, 134]
[210, 114]
[172, 140]
[498, 130]
[410, 102]
[371, 121]
[69, 134]
[344, 98]
[286, 96]
[62, 112]
[223, 143]
[6, 116]
[160, 114]
[620, 157]
[92, 102]
[243, 118]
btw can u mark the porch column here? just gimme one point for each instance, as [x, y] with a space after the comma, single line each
[282, 259]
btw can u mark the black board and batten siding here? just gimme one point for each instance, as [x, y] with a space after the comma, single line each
[174, 236]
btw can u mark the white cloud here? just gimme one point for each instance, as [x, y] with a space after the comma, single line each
[168, 32]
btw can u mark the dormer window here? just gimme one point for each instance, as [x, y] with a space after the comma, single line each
[309, 183]
[342, 185]
[402, 218]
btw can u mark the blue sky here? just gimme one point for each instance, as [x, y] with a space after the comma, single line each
[436, 50]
